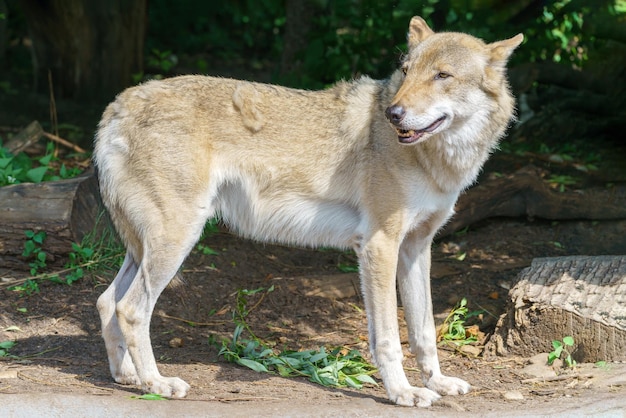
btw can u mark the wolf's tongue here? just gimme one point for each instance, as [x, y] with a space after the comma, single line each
[408, 137]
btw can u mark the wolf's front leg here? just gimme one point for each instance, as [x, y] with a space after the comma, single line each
[378, 261]
[414, 285]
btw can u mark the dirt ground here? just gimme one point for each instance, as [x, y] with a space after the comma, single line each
[59, 350]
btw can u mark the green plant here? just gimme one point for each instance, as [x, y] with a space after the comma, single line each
[453, 329]
[21, 168]
[27, 286]
[603, 365]
[33, 250]
[79, 258]
[99, 251]
[561, 181]
[205, 249]
[560, 348]
[338, 368]
[348, 268]
[5, 346]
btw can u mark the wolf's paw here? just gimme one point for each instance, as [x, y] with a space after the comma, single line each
[169, 387]
[129, 378]
[446, 385]
[412, 396]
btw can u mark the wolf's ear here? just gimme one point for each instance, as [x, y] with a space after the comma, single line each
[418, 31]
[501, 51]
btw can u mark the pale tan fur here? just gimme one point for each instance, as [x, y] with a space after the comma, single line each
[307, 168]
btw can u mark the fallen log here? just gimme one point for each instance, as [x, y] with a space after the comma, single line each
[583, 297]
[525, 193]
[66, 210]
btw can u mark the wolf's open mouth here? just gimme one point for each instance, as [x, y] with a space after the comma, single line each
[412, 135]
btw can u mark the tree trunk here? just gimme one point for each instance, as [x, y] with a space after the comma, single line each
[583, 297]
[91, 49]
[299, 20]
[3, 34]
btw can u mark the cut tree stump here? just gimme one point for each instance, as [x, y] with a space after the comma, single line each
[581, 296]
[66, 210]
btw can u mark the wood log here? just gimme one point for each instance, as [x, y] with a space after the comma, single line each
[525, 193]
[66, 210]
[583, 297]
[25, 138]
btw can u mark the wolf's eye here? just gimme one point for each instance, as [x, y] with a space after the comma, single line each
[404, 69]
[441, 75]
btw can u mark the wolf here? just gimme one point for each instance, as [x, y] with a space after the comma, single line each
[372, 165]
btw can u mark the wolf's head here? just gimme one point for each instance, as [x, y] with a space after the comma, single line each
[449, 80]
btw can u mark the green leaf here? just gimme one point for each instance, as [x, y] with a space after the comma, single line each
[4, 162]
[251, 364]
[353, 382]
[36, 174]
[365, 378]
[29, 248]
[45, 160]
[7, 344]
[558, 351]
[551, 357]
[557, 344]
[568, 340]
[39, 237]
[150, 397]
[319, 356]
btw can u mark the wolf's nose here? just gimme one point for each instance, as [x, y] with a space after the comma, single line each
[395, 114]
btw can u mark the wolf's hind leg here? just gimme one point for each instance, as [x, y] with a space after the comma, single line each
[167, 241]
[120, 363]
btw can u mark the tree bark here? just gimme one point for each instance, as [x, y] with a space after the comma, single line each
[90, 48]
[298, 24]
[3, 34]
[583, 297]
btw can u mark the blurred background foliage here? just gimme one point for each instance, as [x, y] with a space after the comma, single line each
[569, 75]
[345, 38]
[311, 43]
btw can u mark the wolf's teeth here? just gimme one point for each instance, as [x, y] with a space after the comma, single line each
[404, 133]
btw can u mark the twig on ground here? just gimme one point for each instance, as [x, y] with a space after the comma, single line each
[64, 142]
[558, 378]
